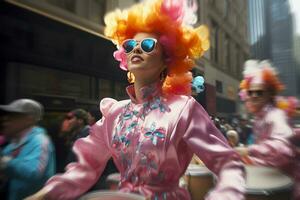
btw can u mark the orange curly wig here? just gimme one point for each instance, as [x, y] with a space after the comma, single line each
[181, 44]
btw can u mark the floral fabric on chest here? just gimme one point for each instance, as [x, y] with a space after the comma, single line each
[138, 137]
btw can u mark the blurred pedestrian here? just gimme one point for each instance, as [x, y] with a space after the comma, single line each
[28, 160]
[246, 132]
[233, 138]
[219, 126]
[94, 115]
[74, 126]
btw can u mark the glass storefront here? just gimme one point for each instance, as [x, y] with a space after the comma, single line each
[67, 87]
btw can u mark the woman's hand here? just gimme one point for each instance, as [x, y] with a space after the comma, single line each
[40, 195]
[243, 151]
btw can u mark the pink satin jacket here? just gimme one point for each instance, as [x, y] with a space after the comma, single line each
[272, 146]
[152, 144]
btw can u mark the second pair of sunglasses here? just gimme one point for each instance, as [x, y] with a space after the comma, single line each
[147, 45]
[258, 93]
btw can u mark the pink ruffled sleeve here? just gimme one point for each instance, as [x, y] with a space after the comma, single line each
[275, 150]
[92, 153]
[206, 141]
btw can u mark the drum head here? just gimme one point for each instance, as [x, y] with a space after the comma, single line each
[266, 180]
[197, 170]
[116, 177]
[109, 195]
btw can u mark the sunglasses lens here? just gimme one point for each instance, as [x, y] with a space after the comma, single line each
[257, 93]
[129, 45]
[148, 45]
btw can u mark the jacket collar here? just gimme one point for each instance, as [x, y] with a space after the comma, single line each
[148, 92]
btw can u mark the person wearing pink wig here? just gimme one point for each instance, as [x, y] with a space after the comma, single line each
[272, 130]
[153, 135]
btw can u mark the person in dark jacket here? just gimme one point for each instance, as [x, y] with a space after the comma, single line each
[74, 126]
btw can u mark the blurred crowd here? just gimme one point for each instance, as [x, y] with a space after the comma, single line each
[28, 155]
[237, 129]
[31, 154]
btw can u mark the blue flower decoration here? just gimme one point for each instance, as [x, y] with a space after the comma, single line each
[158, 104]
[125, 140]
[155, 134]
[198, 84]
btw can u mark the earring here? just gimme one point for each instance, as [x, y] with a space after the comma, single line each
[130, 77]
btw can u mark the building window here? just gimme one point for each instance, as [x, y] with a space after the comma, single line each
[237, 61]
[112, 89]
[212, 2]
[106, 88]
[226, 53]
[278, 11]
[234, 55]
[240, 5]
[68, 5]
[84, 14]
[97, 10]
[40, 80]
[220, 7]
[232, 17]
[219, 86]
[120, 91]
[214, 42]
[91, 10]
[240, 65]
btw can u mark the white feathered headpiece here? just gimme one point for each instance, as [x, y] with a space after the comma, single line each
[260, 72]
[253, 70]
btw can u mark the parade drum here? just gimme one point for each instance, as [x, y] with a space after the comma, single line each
[111, 195]
[113, 180]
[264, 183]
[199, 181]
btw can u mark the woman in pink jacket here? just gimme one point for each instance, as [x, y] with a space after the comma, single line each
[272, 129]
[153, 135]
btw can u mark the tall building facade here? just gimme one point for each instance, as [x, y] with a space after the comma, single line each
[297, 60]
[271, 36]
[257, 30]
[55, 52]
[60, 55]
[281, 29]
[227, 21]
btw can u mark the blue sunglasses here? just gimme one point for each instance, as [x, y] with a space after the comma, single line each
[147, 45]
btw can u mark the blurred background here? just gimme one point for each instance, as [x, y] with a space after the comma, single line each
[54, 51]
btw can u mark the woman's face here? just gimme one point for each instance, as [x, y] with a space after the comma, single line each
[258, 97]
[146, 66]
